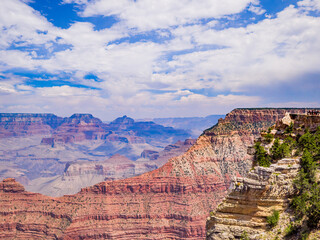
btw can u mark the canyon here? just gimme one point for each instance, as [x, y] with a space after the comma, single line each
[38, 149]
[171, 202]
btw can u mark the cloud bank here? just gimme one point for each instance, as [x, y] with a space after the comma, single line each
[158, 58]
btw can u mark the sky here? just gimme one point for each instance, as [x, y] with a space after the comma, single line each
[151, 58]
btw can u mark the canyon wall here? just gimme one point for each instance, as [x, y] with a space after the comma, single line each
[22, 124]
[254, 198]
[36, 148]
[171, 202]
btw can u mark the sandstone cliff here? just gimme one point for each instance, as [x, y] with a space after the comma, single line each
[171, 202]
[251, 200]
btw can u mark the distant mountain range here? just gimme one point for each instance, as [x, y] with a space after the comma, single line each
[196, 125]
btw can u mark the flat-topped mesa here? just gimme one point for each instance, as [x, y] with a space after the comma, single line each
[23, 124]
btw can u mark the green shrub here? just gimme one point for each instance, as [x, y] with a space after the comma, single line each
[308, 141]
[279, 150]
[290, 230]
[306, 202]
[289, 129]
[268, 138]
[275, 150]
[273, 219]
[291, 143]
[305, 235]
[261, 155]
[244, 236]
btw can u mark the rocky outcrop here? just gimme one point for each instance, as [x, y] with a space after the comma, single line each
[252, 120]
[80, 127]
[10, 185]
[171, 202]
[252, 199]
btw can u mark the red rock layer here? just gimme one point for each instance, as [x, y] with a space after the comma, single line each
[171, 202]
[21, 124]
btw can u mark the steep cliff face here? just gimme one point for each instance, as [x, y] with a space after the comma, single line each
[171, 202]
[82, 174]
[251, 120]
[252, 200]
[35, 148]
[80, 127]
[22, 124]
[25, 215]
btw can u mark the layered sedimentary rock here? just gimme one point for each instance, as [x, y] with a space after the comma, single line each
[171, 202]
[151, 132]
[170, 151]
[252, 199]
[78, 175]
[22, 124]
[252, 120]
[35, 148]
[84, 173]
[80, 127]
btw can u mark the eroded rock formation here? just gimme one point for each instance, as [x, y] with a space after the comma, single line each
[35, 148]
[171, 202]
[252, 200]
[22, 124]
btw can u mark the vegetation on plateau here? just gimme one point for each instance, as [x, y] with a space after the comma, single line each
[306, 200]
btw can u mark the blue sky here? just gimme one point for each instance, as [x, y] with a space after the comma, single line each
[149, 58]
